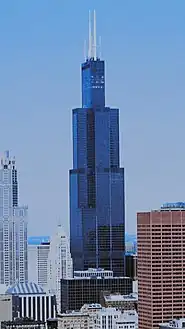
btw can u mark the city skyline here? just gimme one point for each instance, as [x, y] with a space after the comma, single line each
[148, 61]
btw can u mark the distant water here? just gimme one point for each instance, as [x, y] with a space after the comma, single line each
[130, 237]
[37, 240]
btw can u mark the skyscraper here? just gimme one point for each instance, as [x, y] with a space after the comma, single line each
[97, 209]
[60, 265]
[38, 251]
[161, 265]
[13, 226]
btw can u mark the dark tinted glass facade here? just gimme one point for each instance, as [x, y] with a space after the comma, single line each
[77, 292]
[131, 266]
[97, 210]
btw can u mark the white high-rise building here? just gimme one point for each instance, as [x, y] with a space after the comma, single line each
[13, 226]
[38, 250]
[60, 264]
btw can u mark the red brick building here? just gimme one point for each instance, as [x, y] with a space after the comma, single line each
[161, 265]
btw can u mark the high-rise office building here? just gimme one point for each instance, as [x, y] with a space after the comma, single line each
[97, 210]
[13, 226]
[60, 264]
[38, 251]
[86, 290]
[161, 265]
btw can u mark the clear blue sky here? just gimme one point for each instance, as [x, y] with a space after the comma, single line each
[41, 49]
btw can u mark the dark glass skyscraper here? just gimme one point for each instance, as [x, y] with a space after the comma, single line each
[97, 203]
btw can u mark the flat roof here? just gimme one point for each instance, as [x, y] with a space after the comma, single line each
[118, 297]
[73, 313]
[97, 277]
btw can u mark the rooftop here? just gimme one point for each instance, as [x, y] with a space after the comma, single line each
[128, 316]
[25, 289]
[72, 313]
[121, 298]
[91, 306]
[95, 270]
[125, 317]
[176, 323]
[97, 278]
[3, 288]
[89, 309]
[173, 206]
[23, 321]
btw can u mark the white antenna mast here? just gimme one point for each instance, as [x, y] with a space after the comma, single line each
[94, 36]
[85, 50]
[99, 55]
[90, 37]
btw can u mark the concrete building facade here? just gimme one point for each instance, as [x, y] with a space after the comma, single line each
[38, 251]
[60, 264]
[94, 316]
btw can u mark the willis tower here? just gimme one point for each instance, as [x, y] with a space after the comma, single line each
[97, 202]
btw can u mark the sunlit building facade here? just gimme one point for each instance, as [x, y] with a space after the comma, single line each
[13, 226]
[60, 264]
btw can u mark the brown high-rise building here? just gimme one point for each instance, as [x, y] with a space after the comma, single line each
[161, 265]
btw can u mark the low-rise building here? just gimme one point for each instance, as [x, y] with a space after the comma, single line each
[9, 308]
[127, 320]
[176, 323]
[77, 291]
[32, 301]
[106, 318]
[119, 301]
[52, 323]
[94, 316]
[74, 320]
[23, 323]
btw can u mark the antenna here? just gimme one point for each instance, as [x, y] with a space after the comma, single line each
[94, 36]
[85, 50]
[99, 55]
[90, 37]
[92, 47]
